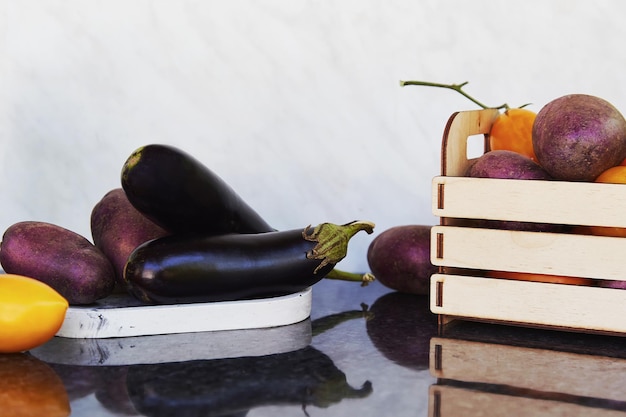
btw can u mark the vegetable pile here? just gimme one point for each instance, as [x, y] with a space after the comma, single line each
[175, 232]
[576, 137]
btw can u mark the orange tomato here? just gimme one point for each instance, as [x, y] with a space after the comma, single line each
[512, 131]
[614, 175]
[31, 313]
[30, 387]
[554, 279]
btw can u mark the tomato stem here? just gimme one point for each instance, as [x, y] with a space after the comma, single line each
[456, 87]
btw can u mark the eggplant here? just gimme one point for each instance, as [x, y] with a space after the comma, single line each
[180, 194]
[201, 268]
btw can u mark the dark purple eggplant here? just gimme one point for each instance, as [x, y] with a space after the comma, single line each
[200, 268]
[180, 194]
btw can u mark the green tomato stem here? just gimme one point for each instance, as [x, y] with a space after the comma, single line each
[456, 87]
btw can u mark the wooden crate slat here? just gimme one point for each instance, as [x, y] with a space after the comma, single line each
[525, 302]
[530, 368]
[547, 253]
[558, 202]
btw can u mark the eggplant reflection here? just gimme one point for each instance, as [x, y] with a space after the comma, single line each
[206, 385]
[227, 386]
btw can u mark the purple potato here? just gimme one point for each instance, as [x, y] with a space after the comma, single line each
[505, 164]
[519, 226]
[61, 258]
[117, 228]
[577, 137]
[609, 283]
[399, 258]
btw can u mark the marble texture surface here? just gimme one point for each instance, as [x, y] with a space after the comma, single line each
[295, 103]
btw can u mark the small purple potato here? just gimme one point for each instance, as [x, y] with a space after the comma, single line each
[577, 137]
[61, 258]
[506, 165]
[117, 228]
[400, 258]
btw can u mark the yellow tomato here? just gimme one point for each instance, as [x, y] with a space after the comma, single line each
[30, 387]
[31, 313]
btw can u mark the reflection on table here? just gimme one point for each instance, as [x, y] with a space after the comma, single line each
[200, 374]
[497, 370]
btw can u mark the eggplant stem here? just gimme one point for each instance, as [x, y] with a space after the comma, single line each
[340, 275]
[332, 240]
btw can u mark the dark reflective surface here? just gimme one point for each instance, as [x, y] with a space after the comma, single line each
[329, 368]
[364, 352]
[218, 387]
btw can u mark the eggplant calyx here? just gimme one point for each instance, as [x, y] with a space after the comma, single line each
[332, 240]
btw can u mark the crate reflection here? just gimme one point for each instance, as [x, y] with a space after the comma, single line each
[495, 370]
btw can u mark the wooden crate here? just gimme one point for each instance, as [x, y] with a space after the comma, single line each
[463, 288]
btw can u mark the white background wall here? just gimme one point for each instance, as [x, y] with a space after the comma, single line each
[295, 103]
